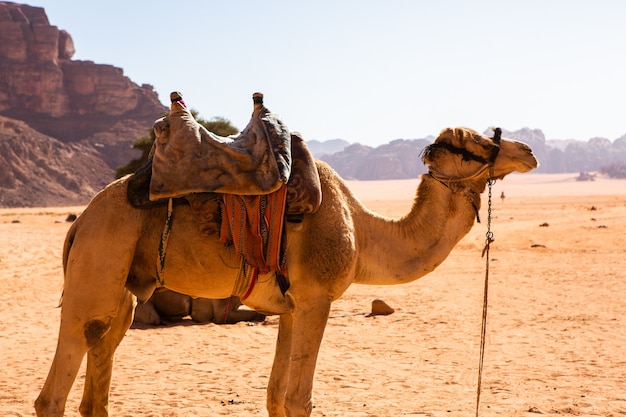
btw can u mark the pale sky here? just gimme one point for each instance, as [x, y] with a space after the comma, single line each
[371, 71]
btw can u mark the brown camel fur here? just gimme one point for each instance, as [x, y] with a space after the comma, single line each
[166, 305]
[110, 251]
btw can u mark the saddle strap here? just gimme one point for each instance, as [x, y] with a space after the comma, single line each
[165, 236]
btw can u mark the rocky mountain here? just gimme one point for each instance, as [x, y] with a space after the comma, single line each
[66, 124]
[327, 147]
[396, 160]
[40, 171]
[569, 155]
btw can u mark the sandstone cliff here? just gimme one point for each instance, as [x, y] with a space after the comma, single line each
[91, 109]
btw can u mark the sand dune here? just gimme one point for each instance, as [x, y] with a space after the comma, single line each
[556, 343]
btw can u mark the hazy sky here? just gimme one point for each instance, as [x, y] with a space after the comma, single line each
[371, 71]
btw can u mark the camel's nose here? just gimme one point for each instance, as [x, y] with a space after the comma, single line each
[531, 161]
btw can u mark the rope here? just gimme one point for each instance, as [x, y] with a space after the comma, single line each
[163, 244]
[483, 331]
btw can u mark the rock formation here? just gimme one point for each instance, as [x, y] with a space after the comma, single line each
[90, 108]
[40, 171]
[395, 160]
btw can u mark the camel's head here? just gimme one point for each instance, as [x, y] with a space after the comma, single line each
[461, 153]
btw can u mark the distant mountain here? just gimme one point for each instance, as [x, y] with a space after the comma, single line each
[561, 144]
[395, 160]
[573, 156]
[327, 147]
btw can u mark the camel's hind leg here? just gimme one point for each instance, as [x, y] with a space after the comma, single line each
[90, 311]
[95, 402]
[71, 349]
[97, 334]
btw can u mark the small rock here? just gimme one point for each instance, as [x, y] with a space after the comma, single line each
[380, 308]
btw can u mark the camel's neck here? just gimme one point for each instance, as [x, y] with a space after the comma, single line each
[403, 250]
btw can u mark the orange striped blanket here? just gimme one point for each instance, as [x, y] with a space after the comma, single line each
[254, 225]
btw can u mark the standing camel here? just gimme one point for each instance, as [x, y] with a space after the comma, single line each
[110, 251]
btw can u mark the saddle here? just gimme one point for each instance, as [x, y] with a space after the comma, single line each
[304, 194]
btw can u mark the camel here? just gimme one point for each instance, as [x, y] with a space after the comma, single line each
[110, 251]
[172, 306]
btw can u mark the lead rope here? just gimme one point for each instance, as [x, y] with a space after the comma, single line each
[483, 332]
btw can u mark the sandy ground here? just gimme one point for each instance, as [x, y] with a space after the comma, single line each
[556, 342]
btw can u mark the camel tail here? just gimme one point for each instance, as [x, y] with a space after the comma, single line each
[67, 246]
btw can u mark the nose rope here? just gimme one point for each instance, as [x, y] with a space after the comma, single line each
[483, 330]
[497, 139]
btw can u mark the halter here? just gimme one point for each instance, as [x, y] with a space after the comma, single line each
[487, 164]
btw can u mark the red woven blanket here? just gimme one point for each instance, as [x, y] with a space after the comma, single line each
[254, 225]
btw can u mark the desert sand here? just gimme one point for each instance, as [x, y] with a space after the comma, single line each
[556, 341]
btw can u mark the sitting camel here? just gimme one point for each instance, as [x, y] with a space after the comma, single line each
[172, 306]
[110, 251]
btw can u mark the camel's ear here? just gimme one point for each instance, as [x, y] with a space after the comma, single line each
[463, 134]
[454, 137]
[497, 136]
[446, 135]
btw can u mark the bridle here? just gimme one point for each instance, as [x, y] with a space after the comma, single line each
[487, 164]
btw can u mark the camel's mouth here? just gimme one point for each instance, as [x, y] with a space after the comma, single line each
[522, 157]
[528, 162]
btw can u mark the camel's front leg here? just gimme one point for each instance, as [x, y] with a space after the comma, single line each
[301, 336]
[277, 386]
